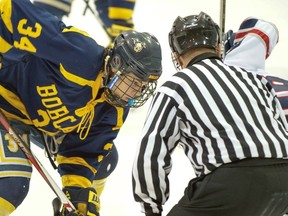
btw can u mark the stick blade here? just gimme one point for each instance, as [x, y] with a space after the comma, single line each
[56, 203]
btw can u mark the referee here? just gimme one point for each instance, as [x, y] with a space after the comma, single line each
[230, 124]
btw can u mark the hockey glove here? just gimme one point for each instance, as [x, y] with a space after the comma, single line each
[85, 201]
[228, 40]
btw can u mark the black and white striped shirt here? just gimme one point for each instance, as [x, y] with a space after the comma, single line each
[219, 114]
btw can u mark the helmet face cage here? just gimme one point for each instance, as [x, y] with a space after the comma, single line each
[196, 31]
[142, 91]
[175, 61]
[134, 101]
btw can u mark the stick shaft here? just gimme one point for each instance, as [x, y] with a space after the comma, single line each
[37, 164]
[222, 15]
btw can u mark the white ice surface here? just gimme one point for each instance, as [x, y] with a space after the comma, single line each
[155, 16]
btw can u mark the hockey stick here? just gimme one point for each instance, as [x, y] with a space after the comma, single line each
[222, 23]
[88, 7]
[37, 164]
[222, 16]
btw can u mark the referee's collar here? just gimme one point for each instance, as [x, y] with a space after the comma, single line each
[200, 57]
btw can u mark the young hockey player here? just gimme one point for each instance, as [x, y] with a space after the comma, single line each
[115, 15]
[59, 87]
[230, 125]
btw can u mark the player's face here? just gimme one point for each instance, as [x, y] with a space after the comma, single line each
[129, 86]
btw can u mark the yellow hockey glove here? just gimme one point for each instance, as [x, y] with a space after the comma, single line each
[85, 200]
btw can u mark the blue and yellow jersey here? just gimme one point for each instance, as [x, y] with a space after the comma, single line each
[50, 78]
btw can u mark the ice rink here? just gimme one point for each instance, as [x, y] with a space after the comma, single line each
[156, 17]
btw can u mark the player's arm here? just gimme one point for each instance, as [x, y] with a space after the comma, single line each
[34, 30]
[152, 163]
[280, 86]
[78, 162]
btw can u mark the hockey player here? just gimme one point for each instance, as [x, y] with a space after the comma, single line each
[230, 125]
[57, 83]
[115, 15]
[249, 48]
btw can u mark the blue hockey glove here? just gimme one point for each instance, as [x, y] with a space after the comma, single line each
[85, 201]
[228, 40]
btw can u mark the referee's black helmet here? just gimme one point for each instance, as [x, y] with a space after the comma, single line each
[195, 31]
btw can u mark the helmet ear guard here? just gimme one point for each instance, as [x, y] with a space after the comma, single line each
[116, 62]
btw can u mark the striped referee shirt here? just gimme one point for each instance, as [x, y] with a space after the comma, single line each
[218, 114]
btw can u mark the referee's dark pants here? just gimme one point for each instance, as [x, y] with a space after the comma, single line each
[252, 187]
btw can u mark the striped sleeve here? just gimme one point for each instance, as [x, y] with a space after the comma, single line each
[160, 134]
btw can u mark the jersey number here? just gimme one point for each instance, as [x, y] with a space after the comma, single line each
[27, 31]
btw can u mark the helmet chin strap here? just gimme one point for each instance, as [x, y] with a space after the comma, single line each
[114, 79]
[131, 102]
[112, 82]
[106, 70]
